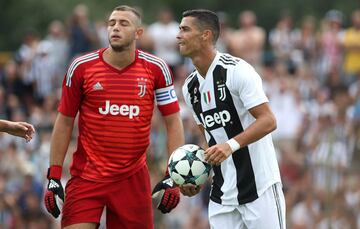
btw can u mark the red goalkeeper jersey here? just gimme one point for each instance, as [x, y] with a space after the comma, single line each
[115, 109]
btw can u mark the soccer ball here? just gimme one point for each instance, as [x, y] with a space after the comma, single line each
[187, 165]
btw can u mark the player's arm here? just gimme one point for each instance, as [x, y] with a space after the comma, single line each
[202, 130]
[247, 84]
[71, 95]
[264, 124]
[60, 139]
[175, 131]
[68, 108]
[165, 192]
[20, 129]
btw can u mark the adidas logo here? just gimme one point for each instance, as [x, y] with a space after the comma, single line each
[169, 182]
[53, 184]
[97, 86]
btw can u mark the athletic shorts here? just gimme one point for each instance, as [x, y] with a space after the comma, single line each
[267, 212]
[128, 202]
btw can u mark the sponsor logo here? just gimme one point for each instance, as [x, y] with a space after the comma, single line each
[195, 98]
[97, 86]
[53, 184]
[218, 119]
[169, 182]
[125, 110]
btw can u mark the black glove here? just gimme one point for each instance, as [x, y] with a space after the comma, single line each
[167, 194]
[54, 190]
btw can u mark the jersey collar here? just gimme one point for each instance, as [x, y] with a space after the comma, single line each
[211, 68]
[115, 69]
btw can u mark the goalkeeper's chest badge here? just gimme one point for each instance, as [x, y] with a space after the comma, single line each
[142, 86]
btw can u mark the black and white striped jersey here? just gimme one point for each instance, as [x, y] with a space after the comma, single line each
[220, 103]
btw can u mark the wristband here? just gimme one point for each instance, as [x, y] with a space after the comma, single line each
[234, 145]
[54, 172]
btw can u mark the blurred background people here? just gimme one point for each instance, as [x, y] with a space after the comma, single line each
[248, 41]
[163, 34]
[310, 69]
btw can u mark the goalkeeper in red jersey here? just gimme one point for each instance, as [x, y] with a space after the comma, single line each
[113, 90]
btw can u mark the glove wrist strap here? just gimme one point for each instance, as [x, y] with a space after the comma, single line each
[54, 172]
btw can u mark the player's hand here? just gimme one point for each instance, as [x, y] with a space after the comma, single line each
[167, 194]
[21, 129]
[190, 189]
[54, 195]
[218, 153]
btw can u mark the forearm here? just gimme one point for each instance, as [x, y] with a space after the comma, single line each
[175, 132]
[202, 131]
[257, 130]
[60, 139]
[4, 125]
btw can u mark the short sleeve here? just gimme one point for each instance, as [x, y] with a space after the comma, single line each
[248, 84]
[71, 94]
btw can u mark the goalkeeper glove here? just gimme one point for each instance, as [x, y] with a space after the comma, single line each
[167, 194]
[54, 195]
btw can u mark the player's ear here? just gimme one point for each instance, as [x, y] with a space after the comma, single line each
[207, 35]
[139, 32]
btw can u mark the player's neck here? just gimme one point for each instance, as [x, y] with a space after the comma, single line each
[119, 60]
[203, 60]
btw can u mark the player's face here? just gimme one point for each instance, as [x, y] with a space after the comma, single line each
[189, 37]
[123, 30]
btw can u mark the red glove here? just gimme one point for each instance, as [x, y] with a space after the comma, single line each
[167, 193]
[54, 190]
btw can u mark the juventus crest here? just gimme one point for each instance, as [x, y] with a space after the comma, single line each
[221, 89]
[142, 86]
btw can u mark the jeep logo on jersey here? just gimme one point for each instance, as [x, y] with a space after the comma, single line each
[124, 110]
[216, 120]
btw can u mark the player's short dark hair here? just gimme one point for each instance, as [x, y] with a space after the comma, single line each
[207, 19]
[131, 9]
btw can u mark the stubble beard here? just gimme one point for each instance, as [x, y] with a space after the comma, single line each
[184, 53]
[120, 48]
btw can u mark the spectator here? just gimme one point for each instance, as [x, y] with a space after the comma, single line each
[165, 46]
[351, 44]
[305, 41]
[281, 39]
[330, 58]
[82, 34]
[248, 41]
[58, 41]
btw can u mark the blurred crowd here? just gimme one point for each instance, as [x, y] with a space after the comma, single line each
[311, 73]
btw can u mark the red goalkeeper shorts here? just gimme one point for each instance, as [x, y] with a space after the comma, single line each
[128, 202]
